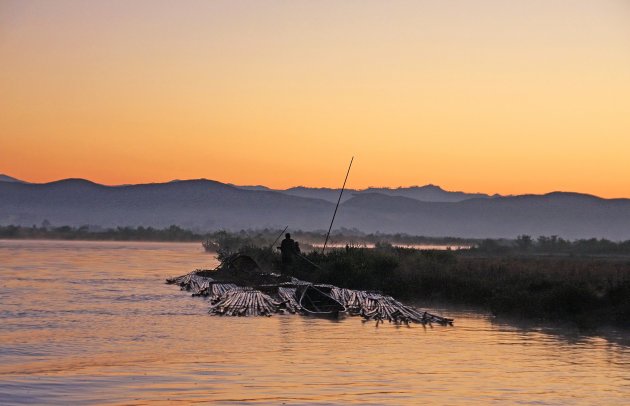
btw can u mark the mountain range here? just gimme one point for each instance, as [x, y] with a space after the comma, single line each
[206, 205]
[427, 193]
[6, 178]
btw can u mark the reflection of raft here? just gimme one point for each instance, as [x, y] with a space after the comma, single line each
[239, 288]
[315, 302]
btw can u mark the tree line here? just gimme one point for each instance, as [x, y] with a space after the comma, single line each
[172, 233]
[522, 245]
[525, 244]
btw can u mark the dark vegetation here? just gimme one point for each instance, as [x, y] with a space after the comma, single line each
[172, 233]
[554, 245]
[584, 290]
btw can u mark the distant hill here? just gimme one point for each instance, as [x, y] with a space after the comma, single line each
[200, 204]
[7, 178]
[569, 215]
[209, 205]
[427, 193]
[253, 187]
[330, 195]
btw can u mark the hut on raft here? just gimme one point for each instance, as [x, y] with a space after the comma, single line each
[239, 287]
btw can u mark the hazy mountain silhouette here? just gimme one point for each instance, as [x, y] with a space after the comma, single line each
[7, 178]
[201, 204]
[251, 187]
[427, 193]
[210, 205]
[570, 215]
[328, 194]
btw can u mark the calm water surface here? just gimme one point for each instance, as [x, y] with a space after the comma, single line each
[94, 323]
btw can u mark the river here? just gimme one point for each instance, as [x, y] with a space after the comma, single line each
[94, 323]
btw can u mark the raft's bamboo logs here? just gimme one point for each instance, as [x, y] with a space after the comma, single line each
[244, 302]
[192, 281]
[378, 307]
[288, 299]
[231, 300]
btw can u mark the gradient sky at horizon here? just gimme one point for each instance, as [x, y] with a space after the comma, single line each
[482, 96]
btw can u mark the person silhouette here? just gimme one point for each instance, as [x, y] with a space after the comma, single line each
[289, 249]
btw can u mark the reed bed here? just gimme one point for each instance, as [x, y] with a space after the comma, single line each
[588, 291]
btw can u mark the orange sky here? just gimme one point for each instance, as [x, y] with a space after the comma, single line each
[489, 96]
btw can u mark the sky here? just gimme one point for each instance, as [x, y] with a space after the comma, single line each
[489, 96]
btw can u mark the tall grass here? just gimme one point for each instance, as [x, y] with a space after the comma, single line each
[584, 290]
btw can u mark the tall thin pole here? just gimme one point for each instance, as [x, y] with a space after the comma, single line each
[337, 206]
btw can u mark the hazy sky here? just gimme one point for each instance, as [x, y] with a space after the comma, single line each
[491, 96]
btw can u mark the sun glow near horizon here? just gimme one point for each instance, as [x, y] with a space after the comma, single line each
[493, 97]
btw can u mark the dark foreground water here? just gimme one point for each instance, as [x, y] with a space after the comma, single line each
[94, 323]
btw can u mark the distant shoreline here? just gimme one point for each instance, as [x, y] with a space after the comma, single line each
[94, 241]
[523, 245]
[178, 234]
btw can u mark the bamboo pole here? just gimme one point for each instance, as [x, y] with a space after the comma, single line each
[337, 206]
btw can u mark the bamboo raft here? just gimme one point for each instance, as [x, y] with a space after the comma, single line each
[230, 299]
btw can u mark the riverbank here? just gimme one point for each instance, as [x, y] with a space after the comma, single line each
[582, 290]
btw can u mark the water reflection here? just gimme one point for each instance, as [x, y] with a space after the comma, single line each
[94, 323]
[565, 332]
